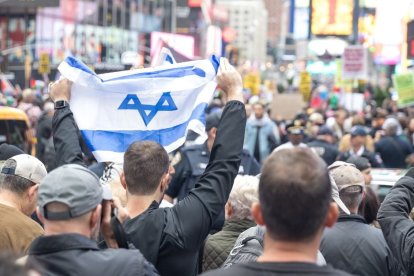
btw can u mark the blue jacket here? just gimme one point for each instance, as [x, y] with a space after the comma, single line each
[267, 138]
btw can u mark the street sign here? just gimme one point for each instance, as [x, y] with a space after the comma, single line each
[355, 63]
[404, 84]
[44, 63]
[252, 81]
[305, 85]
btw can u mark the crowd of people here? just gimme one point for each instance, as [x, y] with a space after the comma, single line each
[253, 196]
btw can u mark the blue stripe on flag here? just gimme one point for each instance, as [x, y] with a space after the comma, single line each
[73, 62]
[215, 61]
[119, 141]
[169, 59]
[167, 73]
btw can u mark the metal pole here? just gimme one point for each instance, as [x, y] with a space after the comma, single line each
[174, 16]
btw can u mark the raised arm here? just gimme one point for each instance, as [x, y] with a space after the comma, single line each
[66, 134]
[398, 229]
[193, 216]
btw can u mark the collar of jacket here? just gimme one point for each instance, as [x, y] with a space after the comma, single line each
[351, 217]
[237, 225]
[56, 243]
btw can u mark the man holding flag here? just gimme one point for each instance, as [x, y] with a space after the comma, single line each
[170, 238]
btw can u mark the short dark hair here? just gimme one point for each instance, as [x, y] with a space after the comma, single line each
[294, 194]
[352, 196]
[145, 162]
[14, 183]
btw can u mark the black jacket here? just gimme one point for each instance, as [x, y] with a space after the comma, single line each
[170, 238]
[393, 151]
[398, 229]
[328, 152]
[74, 254]
[358, 248]
[372, 157]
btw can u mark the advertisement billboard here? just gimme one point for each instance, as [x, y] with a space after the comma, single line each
[332, 17]
[183, 44]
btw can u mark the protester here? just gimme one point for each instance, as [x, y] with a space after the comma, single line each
[19, 181]
[345, 142]
[69, 206]
[170, 238]
[370, 203]
[27, 105]
[238, 219]
[7, 151]
[352, 245]
[262, 134]
[190, 163]
[45, 150]
[393, 149]
[324, 145]
[358, 140]
[296, 134]
[293, 231]
[336, 123]
[397, 227]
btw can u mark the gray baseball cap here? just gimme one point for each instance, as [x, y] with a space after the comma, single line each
[72, 185]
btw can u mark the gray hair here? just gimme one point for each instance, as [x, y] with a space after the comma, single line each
[243, 195]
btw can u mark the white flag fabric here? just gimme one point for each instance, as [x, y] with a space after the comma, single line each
[159, 104]
[164, 57]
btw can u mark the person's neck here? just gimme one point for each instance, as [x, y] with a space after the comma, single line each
[9, 199]
[279, 251]
[356, 148]
[137, 204]
[59, 228]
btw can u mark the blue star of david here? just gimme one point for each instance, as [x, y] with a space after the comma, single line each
[131, 101]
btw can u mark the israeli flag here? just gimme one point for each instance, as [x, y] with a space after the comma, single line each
[164, 57]
[160, 104]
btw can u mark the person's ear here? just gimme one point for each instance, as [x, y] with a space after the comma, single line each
[332, 215]
[95, 217]
[32, 192]
[165, 181]
[40, 216]
[257, 213]
[229, 210]
[123, 180]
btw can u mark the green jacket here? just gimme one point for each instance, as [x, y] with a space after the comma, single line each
[218, 246]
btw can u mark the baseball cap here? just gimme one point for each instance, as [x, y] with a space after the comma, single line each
[324, 130]
[335, 196]
[358, 131]
[316, 118]
[26, 166]
[347, 175]
[295, 127]
[73, 185]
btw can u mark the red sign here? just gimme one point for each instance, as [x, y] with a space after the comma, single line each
[195, 3]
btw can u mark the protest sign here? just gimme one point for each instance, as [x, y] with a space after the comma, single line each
[286, 106]
[355, 63]
[404, 85]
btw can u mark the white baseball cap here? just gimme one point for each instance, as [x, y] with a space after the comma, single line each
[26, 166]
